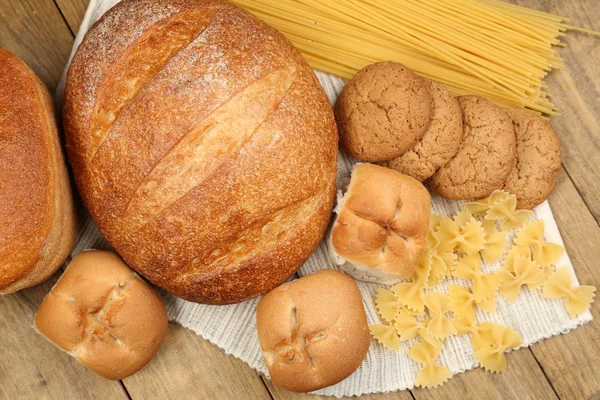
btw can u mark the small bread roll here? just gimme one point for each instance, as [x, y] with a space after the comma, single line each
[313, 331]
[104, 315]
[380, 233]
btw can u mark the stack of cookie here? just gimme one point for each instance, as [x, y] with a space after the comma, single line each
[466, 147]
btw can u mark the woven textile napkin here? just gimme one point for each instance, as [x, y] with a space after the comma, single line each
[233, 328]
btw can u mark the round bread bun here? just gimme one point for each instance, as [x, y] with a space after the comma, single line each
[383, 111]
[104, 315]
[313, 331]
[380, 233]
[440, 142]
[538, 159]
[486, 155]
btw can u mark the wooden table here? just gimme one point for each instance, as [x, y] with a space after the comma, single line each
[567, 366]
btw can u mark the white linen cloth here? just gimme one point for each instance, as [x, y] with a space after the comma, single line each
[233, 328]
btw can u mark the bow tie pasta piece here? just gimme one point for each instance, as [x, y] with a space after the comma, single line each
[578, 299]
[461, 302]
[526, 272]
[493, 341]
[484, 285]
[494, 241]
[468, 238]
[505, 211]
[432, 240]
[481, 207]
[431, 374]
[514, 252]
[410, 294]
[386, 335]
[532, 235]
[387, 304]
[408, 327]
[439, 326]
[472, 237]
[463, 217]
[447, 231]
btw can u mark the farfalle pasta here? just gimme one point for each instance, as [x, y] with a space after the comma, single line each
[560, 285]
[439, 326]
[544, 253]
[494, 241]
[409, 327]
[482, 206]
[462, 302]
[526, 272]
[386, 335]
[493, 341]
[506, 211]
[484, 285]
[387, 304]
[410, 293]
[468, 238]
[431, 374]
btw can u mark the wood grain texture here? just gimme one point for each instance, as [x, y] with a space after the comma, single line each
[33, 368]
[73, 11]
[572, 362]
[282, 394]
[35, 31]
[188, 367]
[522, 380]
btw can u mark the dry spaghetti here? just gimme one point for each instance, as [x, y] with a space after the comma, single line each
[486, 47]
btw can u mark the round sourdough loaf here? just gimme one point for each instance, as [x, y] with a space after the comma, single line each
[37, 222]
[203, 146]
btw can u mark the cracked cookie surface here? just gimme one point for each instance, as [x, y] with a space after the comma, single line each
[383, 111]
[439, 143]
[538, 159]
[486, 155]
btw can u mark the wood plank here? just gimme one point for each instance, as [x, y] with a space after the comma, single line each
[282, 394]
[33, 368]
[575, 91]
[36, 32]
[189, 367]
[523, 379]
[73, 11]
[572, 361]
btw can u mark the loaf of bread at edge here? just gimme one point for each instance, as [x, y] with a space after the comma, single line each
[37, 222]
[203, 146]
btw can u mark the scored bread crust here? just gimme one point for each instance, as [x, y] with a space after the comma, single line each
[104, 315]
[37, 220]
[202, 145]
[380, 233]
[313, 331]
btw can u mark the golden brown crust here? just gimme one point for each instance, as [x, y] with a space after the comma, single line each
[232, 132]
[313, 331]
[383, 111]
[538, 159]
[440, 142]
[104, 315]
[486, 155]
[37, 221]
[383, 221]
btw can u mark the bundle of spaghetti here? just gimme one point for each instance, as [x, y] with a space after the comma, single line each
[487, 47]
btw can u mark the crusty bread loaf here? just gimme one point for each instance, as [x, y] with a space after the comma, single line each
[37, 222]
[380, 233]
[103, 314]
[313, 331]
[202, 145]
